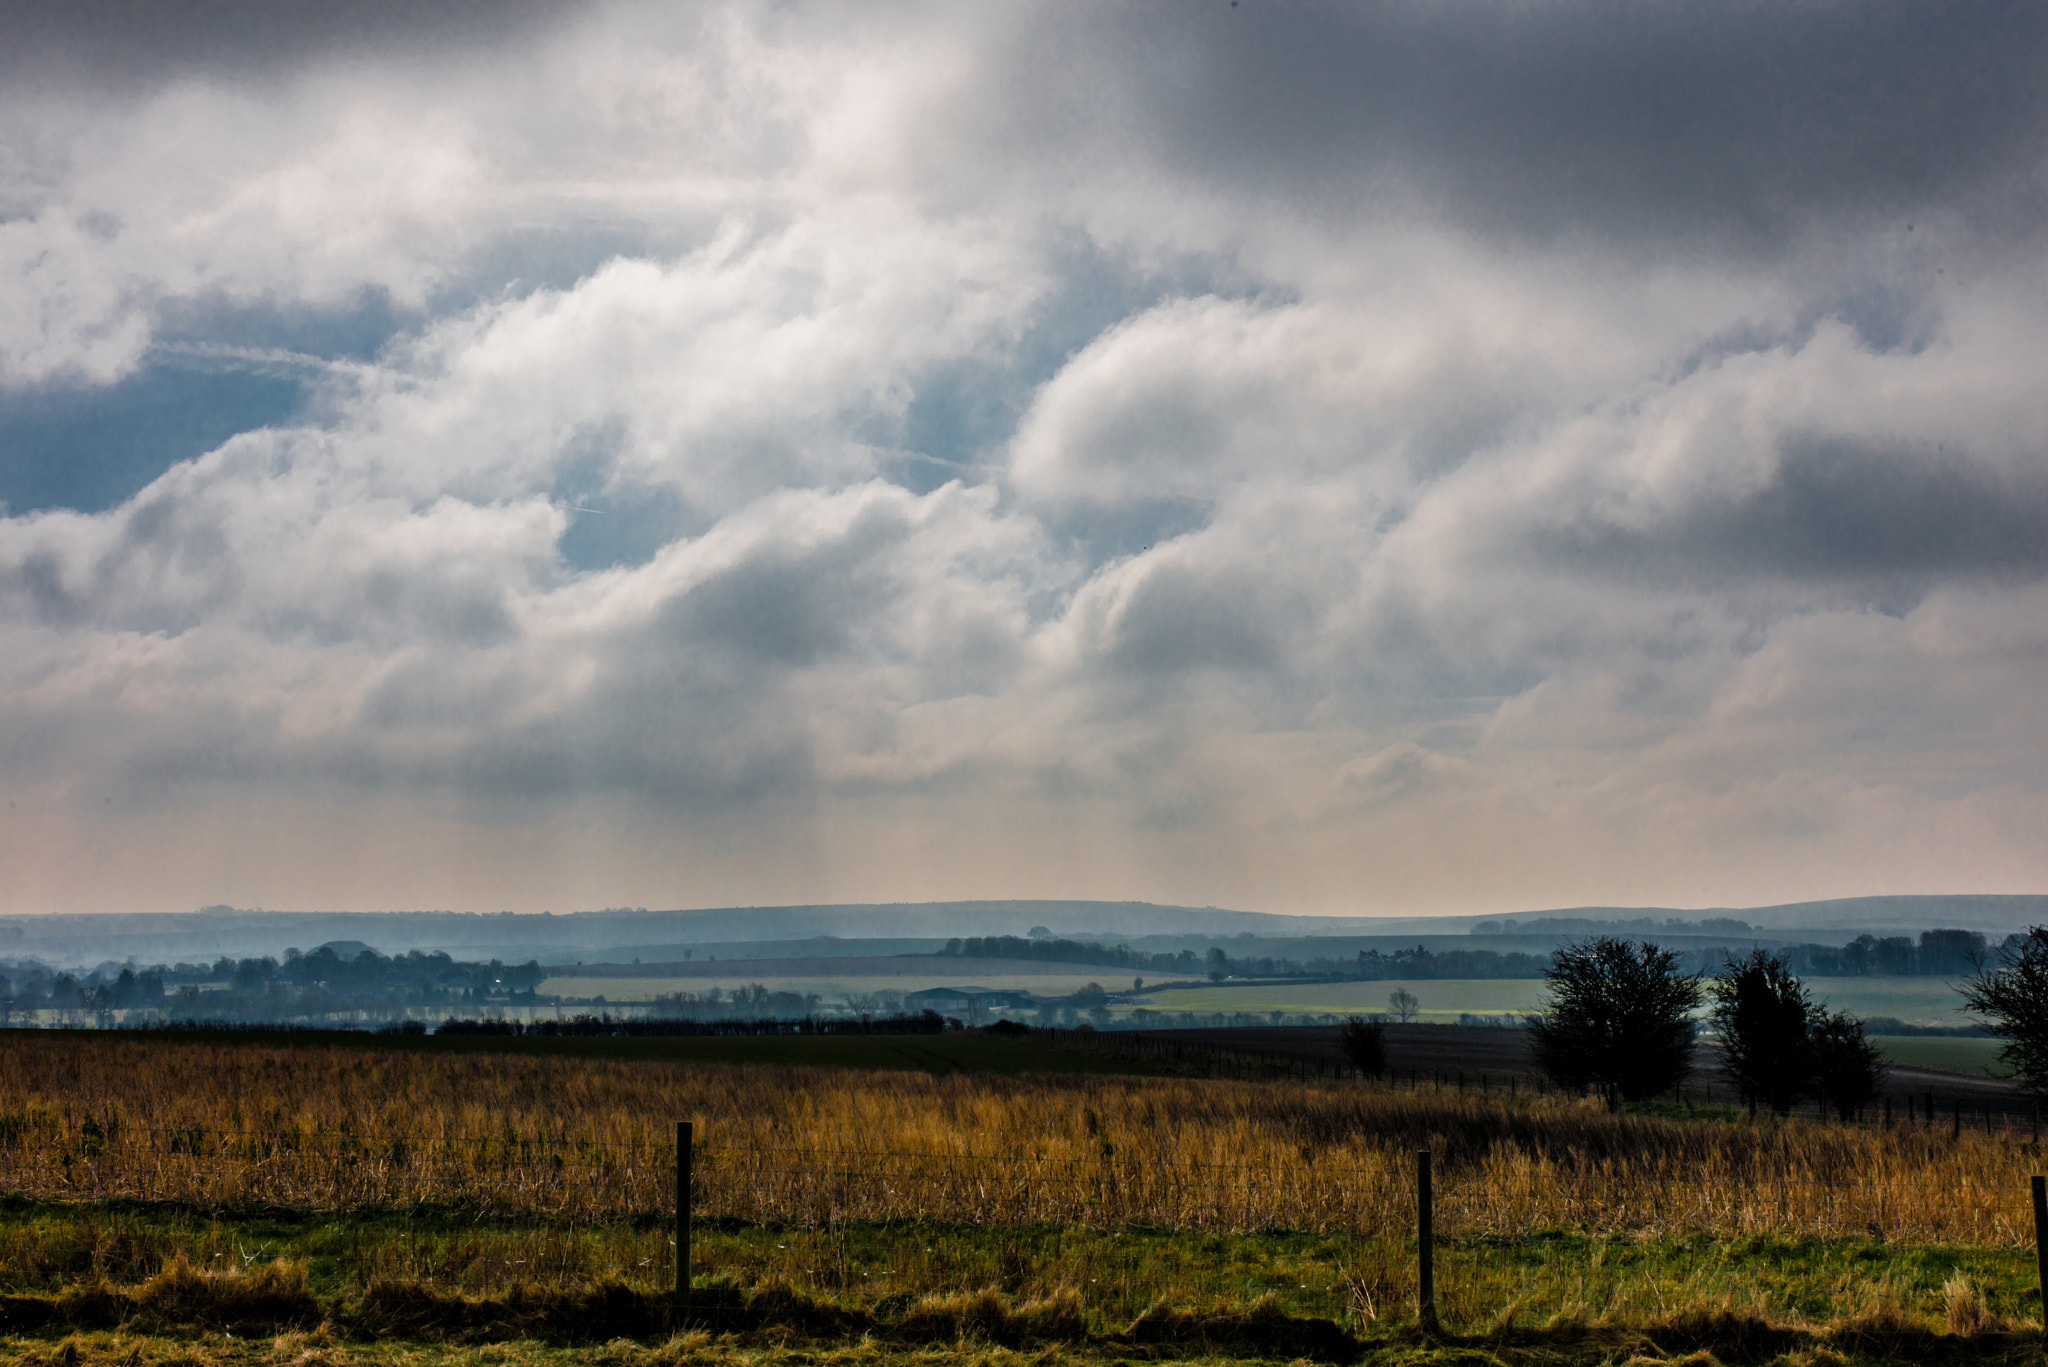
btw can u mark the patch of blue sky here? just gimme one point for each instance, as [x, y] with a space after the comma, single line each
[93, 448]
[964, 411]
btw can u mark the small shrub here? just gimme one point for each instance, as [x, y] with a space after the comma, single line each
[1365, 1043]
[1848, 1070]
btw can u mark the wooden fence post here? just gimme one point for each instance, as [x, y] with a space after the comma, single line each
[1425, 1244]
[684, 1131]
[2040, 1185]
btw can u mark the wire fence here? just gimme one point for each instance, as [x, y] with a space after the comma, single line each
[1929, 1187]
[1327, 1232]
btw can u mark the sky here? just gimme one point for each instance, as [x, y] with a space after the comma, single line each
[1375, 458]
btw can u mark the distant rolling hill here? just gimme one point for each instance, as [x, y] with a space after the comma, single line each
[882, 928]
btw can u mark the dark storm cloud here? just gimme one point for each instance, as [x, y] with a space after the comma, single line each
[681, 737]
[1837, 511]
[1177, 621]
[774, 612]
[1725, 119]
[127, 41]
[785, 607]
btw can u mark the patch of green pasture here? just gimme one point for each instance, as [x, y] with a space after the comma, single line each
[1960, 1054]
[836, 988]
[1443, 999]
[1916, 1001]
[1364, 1281]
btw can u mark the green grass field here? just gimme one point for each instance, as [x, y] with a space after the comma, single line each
[833, 990]
[870, 1266]
[1916, 1001]
[1960, 1055]
[1018, 1297]
[1443, 999]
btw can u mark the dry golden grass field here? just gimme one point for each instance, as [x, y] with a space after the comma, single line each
[232, 1124]
[364, 1176]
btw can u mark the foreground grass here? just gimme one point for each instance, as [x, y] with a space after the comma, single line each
[1680, 1343]
[322, 1350]
[884, 1270]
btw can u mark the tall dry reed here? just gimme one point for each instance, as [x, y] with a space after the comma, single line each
[329, 1127]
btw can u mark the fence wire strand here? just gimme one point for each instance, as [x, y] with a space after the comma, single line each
[1495, 1193]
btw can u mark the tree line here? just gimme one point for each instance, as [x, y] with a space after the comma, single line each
[657, 1027]
[324, 982]
[1621, 1017]
[1938, 953]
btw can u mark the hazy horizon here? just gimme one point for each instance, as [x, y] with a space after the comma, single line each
[1313, 459]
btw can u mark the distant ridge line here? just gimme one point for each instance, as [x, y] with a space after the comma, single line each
[887, 927]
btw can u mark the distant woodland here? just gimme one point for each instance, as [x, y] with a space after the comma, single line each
[1937, 953]
[346, 983]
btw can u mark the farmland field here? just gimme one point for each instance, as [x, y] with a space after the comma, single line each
[833, 990]
[1961, 1055]
[1443, 999]
[944, 1053]
[834, 979]
[1916, 1001]
[366, 1193]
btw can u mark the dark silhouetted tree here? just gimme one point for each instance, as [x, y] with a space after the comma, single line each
[1847, 1069]
[1764, 1019]
[1950, 953]
[1617, 1014]
[1365, 1044]
[1779, 1044]
[2010, 994]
